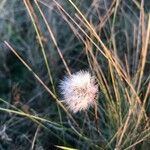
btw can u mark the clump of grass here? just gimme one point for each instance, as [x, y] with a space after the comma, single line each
[111, 39]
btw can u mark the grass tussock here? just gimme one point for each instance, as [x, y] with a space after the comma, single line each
[42, 41]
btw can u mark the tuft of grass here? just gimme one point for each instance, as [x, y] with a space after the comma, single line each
[48, 39]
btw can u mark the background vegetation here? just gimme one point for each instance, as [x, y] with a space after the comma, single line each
[110, 38]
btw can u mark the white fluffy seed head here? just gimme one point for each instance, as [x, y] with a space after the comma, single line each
[79, 91]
